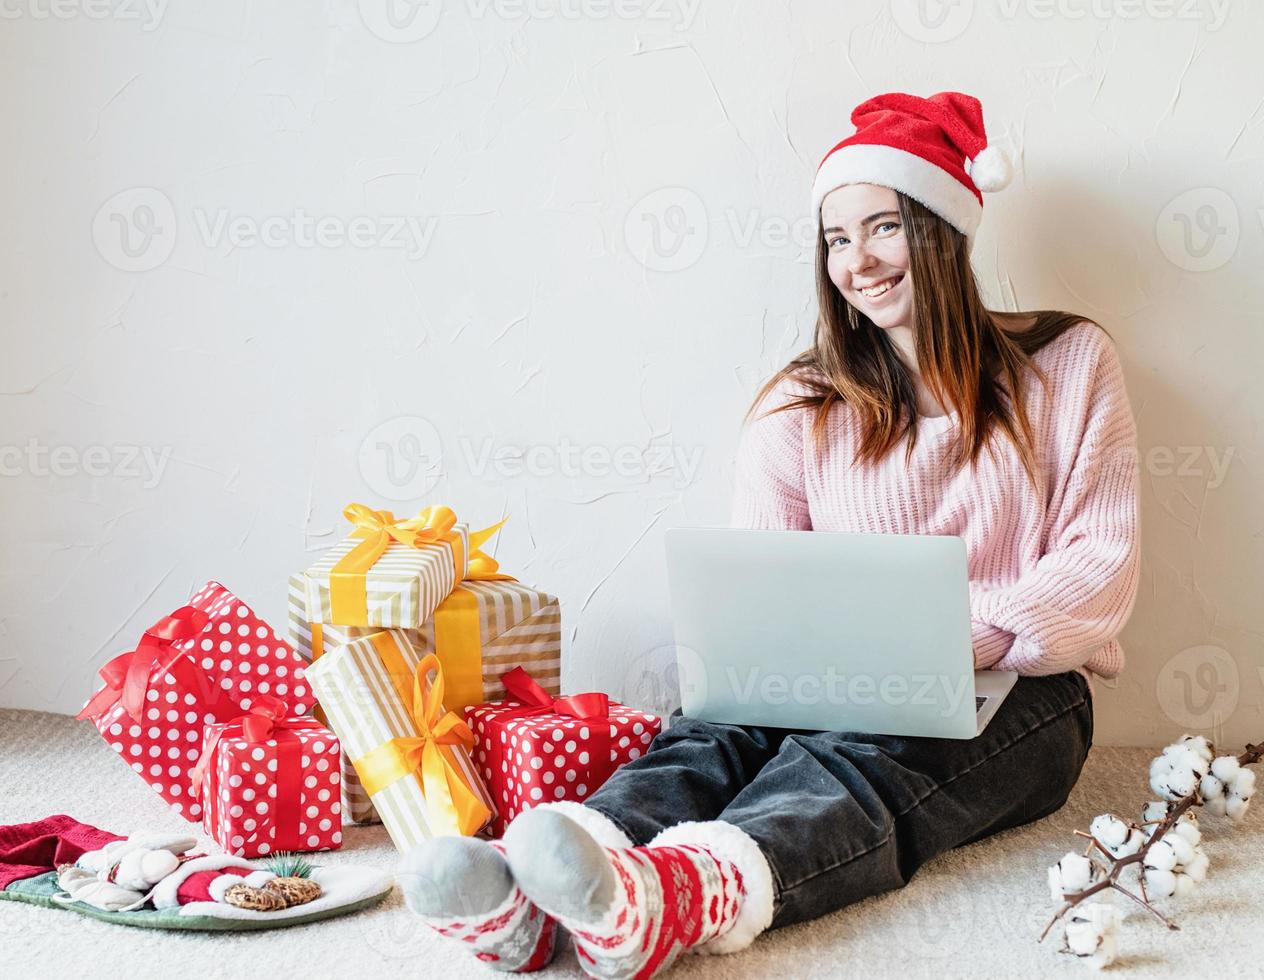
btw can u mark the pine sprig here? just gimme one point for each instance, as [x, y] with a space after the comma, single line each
[286, 864]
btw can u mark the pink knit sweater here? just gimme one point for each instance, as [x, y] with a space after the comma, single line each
[1053, 574]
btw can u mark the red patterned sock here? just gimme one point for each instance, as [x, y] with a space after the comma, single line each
[633, 910]
[667, 900]
[514, 937]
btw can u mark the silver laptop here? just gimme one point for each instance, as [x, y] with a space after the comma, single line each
[828, 631]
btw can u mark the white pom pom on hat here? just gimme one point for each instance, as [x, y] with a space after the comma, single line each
[933, 149]
[990, 170]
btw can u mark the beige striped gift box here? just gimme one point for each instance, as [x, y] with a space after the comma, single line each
[365, 688]
[517, 627]
[403, 586]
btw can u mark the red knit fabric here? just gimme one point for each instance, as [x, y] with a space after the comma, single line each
[30, 849]
[668, 900]
[942, 129]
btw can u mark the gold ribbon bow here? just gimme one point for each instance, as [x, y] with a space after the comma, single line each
[348, 583]
[454, 807]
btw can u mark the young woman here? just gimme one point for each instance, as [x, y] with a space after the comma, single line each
[916, 410]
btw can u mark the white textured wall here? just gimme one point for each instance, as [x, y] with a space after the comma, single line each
[283, 253]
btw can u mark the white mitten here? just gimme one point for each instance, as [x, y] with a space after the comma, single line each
[84, 886]
[133, 866]
[140, 870]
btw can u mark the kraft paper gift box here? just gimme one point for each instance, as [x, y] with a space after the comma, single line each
[270, 783]
[515, 626]
[388, 572]
[203, 663]
[537, 748]
[410, 753]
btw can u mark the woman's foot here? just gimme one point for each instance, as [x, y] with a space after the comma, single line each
[631, 911]
[462, 888]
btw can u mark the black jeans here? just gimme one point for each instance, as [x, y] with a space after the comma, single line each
[843, 815]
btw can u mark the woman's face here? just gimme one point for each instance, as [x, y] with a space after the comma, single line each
[867, 248]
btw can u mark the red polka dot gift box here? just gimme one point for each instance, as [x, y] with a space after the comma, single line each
[536, 748]
[271, 783]
[202, 664]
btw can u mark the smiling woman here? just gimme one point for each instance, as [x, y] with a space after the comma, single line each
[721, 831]
[903, 333]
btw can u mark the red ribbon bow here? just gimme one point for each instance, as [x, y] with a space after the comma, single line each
[523, 687]
[593, 706]
[267, 719]
[127, 676]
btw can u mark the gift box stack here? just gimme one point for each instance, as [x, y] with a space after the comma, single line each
[205, 710]
[437, 678]
[429, 579]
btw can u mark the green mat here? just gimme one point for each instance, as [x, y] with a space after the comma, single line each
[41, 889]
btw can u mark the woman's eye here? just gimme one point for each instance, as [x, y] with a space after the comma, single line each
[888, 224]
[835, 241]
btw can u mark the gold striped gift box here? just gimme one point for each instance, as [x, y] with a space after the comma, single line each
[366, 690]
[517, 627]
[402, 587]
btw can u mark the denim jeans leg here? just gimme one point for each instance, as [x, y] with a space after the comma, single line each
[840, 816]
[691, 771]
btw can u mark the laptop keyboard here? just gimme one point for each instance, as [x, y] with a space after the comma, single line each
[979, 702]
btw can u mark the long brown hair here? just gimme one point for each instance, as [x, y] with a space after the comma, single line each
[967, 359]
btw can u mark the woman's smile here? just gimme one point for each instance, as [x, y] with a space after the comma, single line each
[878, 291]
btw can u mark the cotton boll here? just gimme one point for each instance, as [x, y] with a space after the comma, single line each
[1106, 952]
[1117, 836]
[1090, 933]
[1161, 856]
[1244, 783]
[1132, 845]
[1179, 783]
[1197, 869]
[1055, 883]
[1082, 939]
[1109, 829]
[1158, 783]
[1236, 808]
[1072, 874]
[1188, 830]
[1182, 848]
[1225, 768]
[1210, 787]
[1184, 885]
[1181, 757]
[1176, 773]
[1077, 870]
[1199, 745]
[1160, 883]
[1154, 810]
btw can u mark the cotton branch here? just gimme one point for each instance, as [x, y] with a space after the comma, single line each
[1111, 866]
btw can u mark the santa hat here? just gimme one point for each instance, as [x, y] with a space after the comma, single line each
[935, 150]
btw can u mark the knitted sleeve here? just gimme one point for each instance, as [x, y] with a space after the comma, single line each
[1067, 611]
[769, 491]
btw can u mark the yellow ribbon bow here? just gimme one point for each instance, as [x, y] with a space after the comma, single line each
[348, 585]
[453, 806]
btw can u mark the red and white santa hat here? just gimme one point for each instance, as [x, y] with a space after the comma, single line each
[935, 150]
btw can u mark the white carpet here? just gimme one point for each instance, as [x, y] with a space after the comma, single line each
[975, 911]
